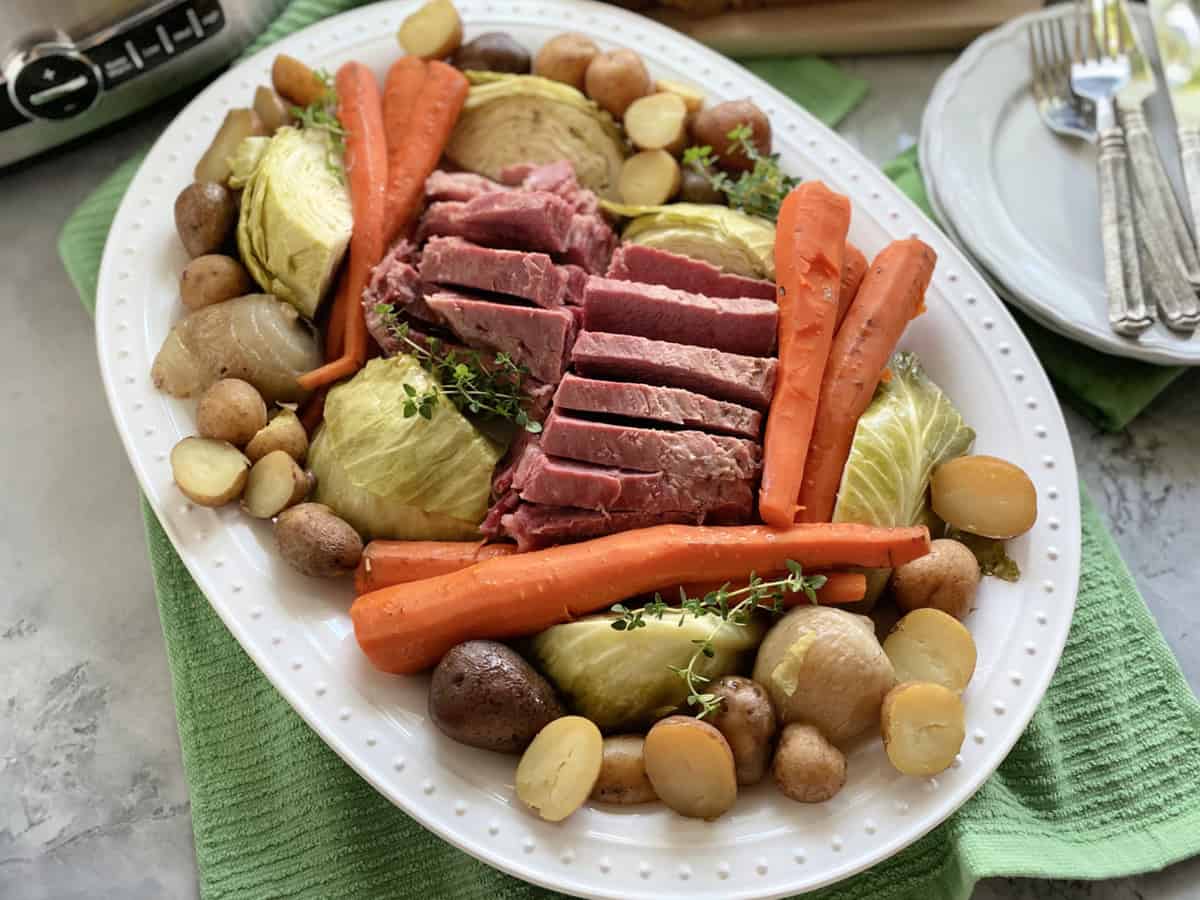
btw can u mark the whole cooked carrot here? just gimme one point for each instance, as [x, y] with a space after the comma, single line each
[335, 327]
[810, 242]
[421, 137]
[385, 563]
[408, 627]
[854, 267]
[892, 293]
[360, 111]
[839, 587]
[312, 409]
[406, 80]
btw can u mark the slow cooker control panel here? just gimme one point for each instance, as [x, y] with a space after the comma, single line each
[59, 80]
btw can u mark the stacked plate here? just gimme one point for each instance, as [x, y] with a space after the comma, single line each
[1023, 201]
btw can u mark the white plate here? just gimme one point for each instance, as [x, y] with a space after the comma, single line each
[1024, 201]
[297, 631]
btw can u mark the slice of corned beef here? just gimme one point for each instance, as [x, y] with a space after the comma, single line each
[533, 526]
[492, 526]
[679, 454]
[458, 186]
[538, 339]
[673, 406]
[725, 376]
[590, 243]
[577, 277]
[555, 178]
[553, 481]
[519, 220]
[530, 276]
[502, 479]
[635, 262]
[397, 284]
[735, 325]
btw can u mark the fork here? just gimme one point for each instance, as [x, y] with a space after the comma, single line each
[1060, 108]
[1097, 74]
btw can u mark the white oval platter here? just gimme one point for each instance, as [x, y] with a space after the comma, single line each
[297, 629]
[1024, 201]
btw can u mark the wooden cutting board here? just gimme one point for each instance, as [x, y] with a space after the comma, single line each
[833, 27]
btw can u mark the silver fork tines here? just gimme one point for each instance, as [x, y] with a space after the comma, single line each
[1099, 70]
[1063, 111]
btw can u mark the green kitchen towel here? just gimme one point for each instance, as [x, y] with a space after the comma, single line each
[1109, 390]
[1105, 782]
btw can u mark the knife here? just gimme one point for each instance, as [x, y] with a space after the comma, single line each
[1169, 253]
[1177, 31]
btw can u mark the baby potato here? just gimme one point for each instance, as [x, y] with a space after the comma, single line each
[615, 79]
[923, 727]
[433, 32]
[696, 187]
[314, 541]
[272, 110]
[238, 125]
[984, 495]
[747, 720]
[213, 278]
[929, 645]
[712, 127]
[693, 98]
[284, 432]
[559, 769]
[295, 82]
[945, 578]
[209, 472]
[691, 767]
[623, 777]
[657, 122]
[565, 57]
[231, 410]
[649, 178]
[492, 52]
[205, 213]
[807, 767]
[275, 483]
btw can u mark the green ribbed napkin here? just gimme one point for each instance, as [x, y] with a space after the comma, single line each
[1105, 782]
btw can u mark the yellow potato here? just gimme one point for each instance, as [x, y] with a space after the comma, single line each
[284, 432]
[272, 110]
[615, 79]
[807, 767]
[923, 727]
[239, 124]
[691, 767]
[275, 483]
[623, 777]
[231, 410]
[295, 82]
[559, 768]
[433, 32]
[314, 541]
[565, 58]
[657, 122]
[984, 495]
[930, 645]
[209, 472]
[693, 98]
[649, 178]
[945, 578]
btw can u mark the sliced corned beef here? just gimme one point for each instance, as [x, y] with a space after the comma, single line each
[577, 277]
[590, 243]
[533, 526]
[458, 186]
[553, 481]
[725, 376]
[635, 262]
[682, 454]
[396, 283]
[556, 178]
[520, 220]
[530, 276]
[674, 406]
[502, 479]
[538, 339]
[492, 525]
[736, 325]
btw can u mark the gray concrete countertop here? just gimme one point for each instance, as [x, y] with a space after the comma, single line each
[93, 801]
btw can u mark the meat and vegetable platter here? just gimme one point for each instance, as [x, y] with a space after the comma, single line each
[603, 458]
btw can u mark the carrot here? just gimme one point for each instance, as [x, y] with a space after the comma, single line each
[854, 267]
[361, 114]
[421, 131]
[312, 409]
[839, 587]
[385, 563]
[335, 327]
[406, 80]
[810, 241]
[891, 294]
[407, 628]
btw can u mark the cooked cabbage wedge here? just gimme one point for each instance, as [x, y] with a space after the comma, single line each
[622, 680]
[398, 477]
[730, 240]
[910, 428]
[295, 221]
[510, 119]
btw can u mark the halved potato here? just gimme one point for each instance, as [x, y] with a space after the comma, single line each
[559, 768]
[923, 727]
[209, 472]
[274, 484]
[691, 767]
[433, 32]
[649, 178]
[657, 122]
[930, 645]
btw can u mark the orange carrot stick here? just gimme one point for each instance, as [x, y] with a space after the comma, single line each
[839, 587]
[385, 563]
[808, 264]
[421, 138]
[854, 267]
[360, 111]
[407, 628]
[312, 409]
[891, 294]
[406, 80]
[335, 328]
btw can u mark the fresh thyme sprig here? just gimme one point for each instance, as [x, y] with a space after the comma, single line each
[758, 192]
[463, 377]
[321, 115]
[733, 606]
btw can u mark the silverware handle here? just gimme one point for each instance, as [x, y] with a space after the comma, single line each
[1127, 313]
[1163, 279]
[1152, 184]
[1189, 155]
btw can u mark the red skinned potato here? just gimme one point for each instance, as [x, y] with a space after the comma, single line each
[712, 127]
